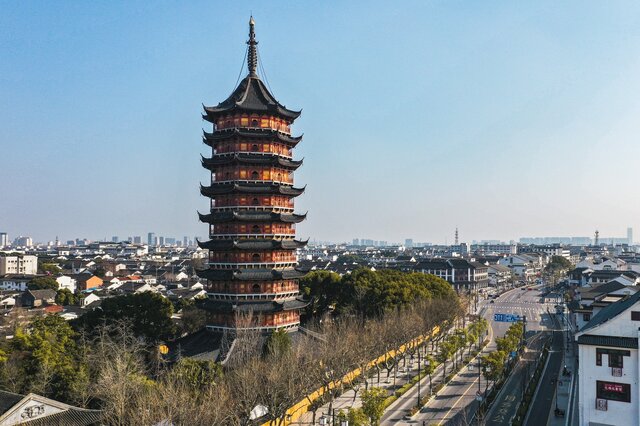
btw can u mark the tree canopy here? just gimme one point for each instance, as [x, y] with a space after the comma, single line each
[369, 292]
[47, 358]
[558, 263]
[65, 297]
[43, 283]
[50, 268]
[148, 313]
[373, 404]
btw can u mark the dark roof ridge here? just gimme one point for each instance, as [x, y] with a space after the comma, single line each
[611, 311]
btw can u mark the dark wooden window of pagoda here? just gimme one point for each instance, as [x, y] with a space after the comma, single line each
[256, 288]
[255, 175]
[255, 257]
[255, 229]
[254, 147]
[255, 202]
[254, 123]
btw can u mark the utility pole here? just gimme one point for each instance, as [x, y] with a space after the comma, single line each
[419, 378]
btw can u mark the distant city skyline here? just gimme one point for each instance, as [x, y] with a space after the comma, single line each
[504, 119]
[154, 238]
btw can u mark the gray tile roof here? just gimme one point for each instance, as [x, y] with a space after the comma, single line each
[611, 311]
[608, 341]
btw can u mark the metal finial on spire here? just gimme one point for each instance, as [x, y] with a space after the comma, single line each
[252, 54]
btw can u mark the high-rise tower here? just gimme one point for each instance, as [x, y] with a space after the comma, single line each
[252, 271]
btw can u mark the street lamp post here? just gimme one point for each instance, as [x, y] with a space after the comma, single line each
[479, 393]
[419, 378]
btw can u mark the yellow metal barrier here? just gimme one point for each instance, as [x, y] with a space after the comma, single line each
[302, 406]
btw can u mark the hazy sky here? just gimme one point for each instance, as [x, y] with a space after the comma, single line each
[503, 118]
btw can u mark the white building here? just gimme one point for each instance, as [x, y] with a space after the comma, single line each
[14, 283]
[92, 297]
[524, 266]
[65, 281]
[499, 275]
[21, 264]
[608, 370]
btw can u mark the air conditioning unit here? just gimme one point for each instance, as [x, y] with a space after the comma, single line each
[601, 404]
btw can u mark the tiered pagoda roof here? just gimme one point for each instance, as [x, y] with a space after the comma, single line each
[251, 244]
[254, 187]
[251, 216]
[255, 307]
[250, 159]
[249, 133]
[250, 274]
[251, 96]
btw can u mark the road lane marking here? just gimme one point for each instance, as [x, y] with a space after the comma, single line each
[458, 400]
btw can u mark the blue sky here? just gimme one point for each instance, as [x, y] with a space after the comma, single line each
[505, 119]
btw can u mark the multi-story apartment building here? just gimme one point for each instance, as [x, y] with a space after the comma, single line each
[23, 242]
[461, 273]
[524, 266]
[548, 249]
[498, 248]
[608, 369]
[18, 264]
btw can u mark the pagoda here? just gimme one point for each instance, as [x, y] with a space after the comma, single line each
[252, 275]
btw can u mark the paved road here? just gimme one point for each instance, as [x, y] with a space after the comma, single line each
[542, 405]
[455, 404]
[505, 406]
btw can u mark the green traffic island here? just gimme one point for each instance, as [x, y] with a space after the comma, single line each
[438, 387]
[523, 408]
[497, 366]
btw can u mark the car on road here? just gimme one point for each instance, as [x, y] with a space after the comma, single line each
[492, 301]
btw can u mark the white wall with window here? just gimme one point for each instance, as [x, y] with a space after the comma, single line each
[608, 366]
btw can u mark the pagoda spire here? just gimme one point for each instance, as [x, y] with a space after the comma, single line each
[252, 54]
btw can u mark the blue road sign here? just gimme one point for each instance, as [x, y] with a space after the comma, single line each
[506, 318]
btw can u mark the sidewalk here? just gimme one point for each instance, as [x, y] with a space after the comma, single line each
[349, 400]
[565, 389]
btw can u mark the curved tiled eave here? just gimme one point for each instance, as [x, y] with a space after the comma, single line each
[250, 188]
[251, 96]
[251, 216]
[250, 274]
[249, 159]
[253, 307]
[249, 133]
[251, 244]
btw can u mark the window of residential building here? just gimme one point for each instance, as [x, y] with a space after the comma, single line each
[635, 316]
[615, 356]
[586, 317]
[616, 360]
